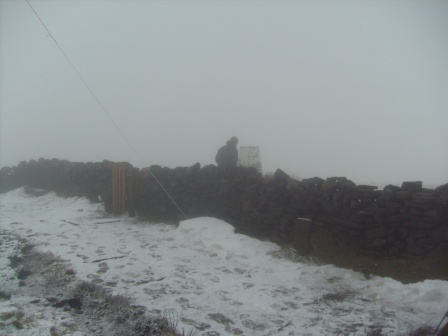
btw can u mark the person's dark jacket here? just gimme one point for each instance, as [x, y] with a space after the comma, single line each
[227, 155]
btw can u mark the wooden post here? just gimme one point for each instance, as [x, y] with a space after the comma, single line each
[123, 198]
[130, 193]
[303, 227]
[118, 188]
[114, 188]
[122, 189]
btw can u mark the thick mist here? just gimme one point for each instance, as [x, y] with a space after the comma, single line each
[324, 88]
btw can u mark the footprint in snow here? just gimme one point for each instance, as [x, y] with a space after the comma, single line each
[100, 251]
[253, 325]
[83, 257]
[103, 268]
[237, 303]
[197, 325]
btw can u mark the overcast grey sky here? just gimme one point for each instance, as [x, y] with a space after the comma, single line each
[324, 88]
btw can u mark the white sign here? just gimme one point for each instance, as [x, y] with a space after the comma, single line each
[249, 156]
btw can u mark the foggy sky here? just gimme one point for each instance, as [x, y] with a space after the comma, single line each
[324, 88]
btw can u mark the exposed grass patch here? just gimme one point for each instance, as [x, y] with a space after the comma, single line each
[115, 312]
[26, 248]
[14, 318]
[423, 331]
[54, 331]
[378, 331]
[5, 296]
[117, 309]
[15, 261]
[22, 274]
[373, 331]
[53, 270]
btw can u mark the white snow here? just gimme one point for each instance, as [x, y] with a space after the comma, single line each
[213, 278]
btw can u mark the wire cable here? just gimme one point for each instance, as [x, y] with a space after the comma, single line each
[103, 108]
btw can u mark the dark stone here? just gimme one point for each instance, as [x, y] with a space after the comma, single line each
[348, 185]
[403, 195]
[443, 199]
[365, 187]
[412, 186]
[379, 243]
[314, 182]
[281, 175]
[416, 212]
[375, 233]
[325, 219]
[394, 251]
[382, 196]
[420, 205]
[421, 197]
[402, 233]
[417, 234]
[440, 235]
[361, 217]
[350, 224]
[418, 225]
[416, 250]
[434, 215]
[397, 218]
[424, 241]
[392, 188]
[332, 183]
[441, 189]
[302, 240]
[383, 211]
[393, 205]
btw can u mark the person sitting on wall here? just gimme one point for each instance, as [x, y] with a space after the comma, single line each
[227, 155]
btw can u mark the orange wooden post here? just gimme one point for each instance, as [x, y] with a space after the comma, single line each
[117, 195]
[123, 189]
[130, 193]
[114, 188]
[118, 188]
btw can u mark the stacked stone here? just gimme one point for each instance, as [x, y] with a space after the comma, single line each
[267, 210]
[396, 221]
[206, 191]
[91, 180]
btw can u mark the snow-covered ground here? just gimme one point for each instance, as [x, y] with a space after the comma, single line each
[218, 281]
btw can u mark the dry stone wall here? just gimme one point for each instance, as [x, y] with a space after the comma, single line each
[91, 180]
[397, 221]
